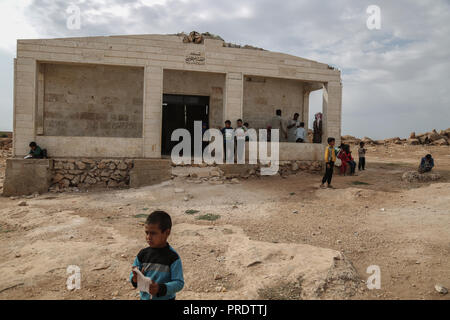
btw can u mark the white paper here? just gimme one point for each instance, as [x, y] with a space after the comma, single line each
[143, 282]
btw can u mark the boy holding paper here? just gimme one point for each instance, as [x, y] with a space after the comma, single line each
[159, 261]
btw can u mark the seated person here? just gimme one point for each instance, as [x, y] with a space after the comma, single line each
[36, 152]
[343, 156]
[300, 133]
[350, 159]
[426, 164]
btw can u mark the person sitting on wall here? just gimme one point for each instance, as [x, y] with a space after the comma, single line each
[426, 164]
[300, 133]
[36, 152]
[349, 159]
[342, 156]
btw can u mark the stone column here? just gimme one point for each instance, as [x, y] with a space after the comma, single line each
[305, 113]
[24, 105]
[40, 99]
[153, 91]
[234, 92]
[332, 104]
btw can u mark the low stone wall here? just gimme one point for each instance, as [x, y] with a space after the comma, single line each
[108, 173]
[90, 173]
[27, 176]
[223, 172]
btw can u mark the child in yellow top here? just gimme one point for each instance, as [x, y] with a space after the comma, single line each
[330, 159]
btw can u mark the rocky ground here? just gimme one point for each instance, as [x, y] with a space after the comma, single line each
[261, 237]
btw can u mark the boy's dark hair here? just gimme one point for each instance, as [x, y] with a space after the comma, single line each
[239, 120]
[278, 112]
[33, 144]
[347, 148]
[361, 144]
[330, 139]
[228, 121]
[428, 156]
[161, 218]
[246, 124]
[296, 114]
[302, 124]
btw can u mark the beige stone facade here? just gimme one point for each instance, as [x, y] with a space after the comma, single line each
[103, 96]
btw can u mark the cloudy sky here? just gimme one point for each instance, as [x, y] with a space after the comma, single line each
[396, 79]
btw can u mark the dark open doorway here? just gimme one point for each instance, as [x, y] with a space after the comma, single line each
[180, 111]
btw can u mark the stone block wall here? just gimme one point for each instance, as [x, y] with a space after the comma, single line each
[27, 176]
[91, 101]
[90, 173]
[153, 54]
[263, 96]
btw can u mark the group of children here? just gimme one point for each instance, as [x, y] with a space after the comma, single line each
[345, 155]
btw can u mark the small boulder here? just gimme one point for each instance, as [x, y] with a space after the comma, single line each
[80, 165]
[413, 142]
[414, 176]
[440, 142]
[441, 289]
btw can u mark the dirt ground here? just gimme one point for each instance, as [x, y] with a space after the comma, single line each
[373, 218]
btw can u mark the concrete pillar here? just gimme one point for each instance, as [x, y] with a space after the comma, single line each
[24, 105]
[305, 113]
[152, 127]
[332, 105]
[234, 93]
[40, 99]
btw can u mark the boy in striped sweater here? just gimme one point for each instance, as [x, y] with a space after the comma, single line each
[159, 261]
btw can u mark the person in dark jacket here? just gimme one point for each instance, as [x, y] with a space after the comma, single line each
[426, 164]
[36, 152]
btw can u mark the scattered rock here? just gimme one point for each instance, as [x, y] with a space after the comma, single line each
[254, 263]
[440, 142]
[22, 204]
[179, 190]
[414, 176]
[413, 142]
[441, 289]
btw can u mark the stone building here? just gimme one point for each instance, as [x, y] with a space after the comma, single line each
[121, 96]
